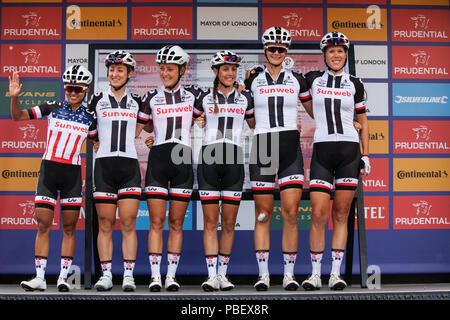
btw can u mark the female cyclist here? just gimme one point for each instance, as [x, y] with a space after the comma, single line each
[220, 171]
[169, 173]
[275, 151]
[117, 177]
[68, 125]
[336, 97]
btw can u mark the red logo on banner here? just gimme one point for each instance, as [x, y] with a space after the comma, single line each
[302, 23]
[31, 23]
[31, 60]
[161, 23]
[378, 179]
[18, 213]
[420, 62]
[23, 136]
[420, 25]
[421, 137]
[421, 212]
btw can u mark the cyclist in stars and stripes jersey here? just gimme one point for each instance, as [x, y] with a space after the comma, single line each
[68, 125]
[337, 97]
[117, 176]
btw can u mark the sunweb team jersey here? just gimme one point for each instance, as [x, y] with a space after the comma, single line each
[226, 125]
[172, 113]
[66, 132]
[116, 123]
[275, 100]
[335, 99]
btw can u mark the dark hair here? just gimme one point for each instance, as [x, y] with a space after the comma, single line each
[215, 89]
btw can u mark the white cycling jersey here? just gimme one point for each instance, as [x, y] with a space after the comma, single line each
[335, 100]
[226, 125]
[116, 123]
[172, 113]
[276, 100]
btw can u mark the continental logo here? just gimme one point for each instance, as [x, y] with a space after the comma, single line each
[19, 174]
[337, 24]
[7, 174]
[358, 23]
[99, 23]
[403, 174]
[421, 174]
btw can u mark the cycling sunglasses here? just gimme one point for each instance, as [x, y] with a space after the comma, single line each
[274, 49]
[76, 89]
[232, 59]
[109, 62]
[335, 42]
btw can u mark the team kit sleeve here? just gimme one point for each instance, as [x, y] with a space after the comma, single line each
[360, 102]
[42, 110]
[199, 95]
[250, 111]
[304, 93]
[198, 105]
[144, 113]
[92, 105]
[146, 103]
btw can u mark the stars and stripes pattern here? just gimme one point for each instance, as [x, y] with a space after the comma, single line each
[67, 130]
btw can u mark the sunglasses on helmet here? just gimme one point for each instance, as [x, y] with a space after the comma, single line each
[76, 89]
[232, 59]
[111, 61]
[274, 49]
[335, 42]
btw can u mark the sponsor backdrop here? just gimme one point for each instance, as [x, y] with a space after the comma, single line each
[401, 53]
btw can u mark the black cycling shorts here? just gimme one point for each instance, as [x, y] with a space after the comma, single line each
[276, 153]
[66, 178]
[169, 172]
[337, 162]
[220, 173]
[116, 178]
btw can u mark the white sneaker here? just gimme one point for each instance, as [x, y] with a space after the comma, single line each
[171, 284]
[289, 282]
[128, 284]
[104, 284]
[312, 283]
[155, 284]
[211, 284]
[263, 282]
[34, 284]
[62, 285]
[336, 283]
[224, 283]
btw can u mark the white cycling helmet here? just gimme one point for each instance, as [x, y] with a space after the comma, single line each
[172, 54]
[276, 35]
[334, 39]
[225, 57]
[77, 74]
[120, 57]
